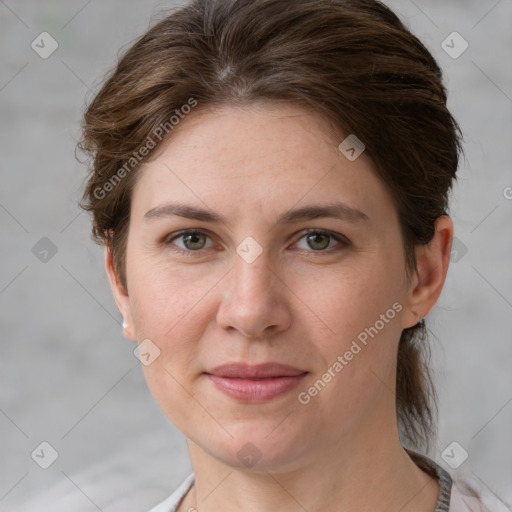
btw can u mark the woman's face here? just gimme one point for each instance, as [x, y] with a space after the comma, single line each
[256, 288]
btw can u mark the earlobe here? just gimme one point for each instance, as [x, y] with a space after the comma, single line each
[432, 261]
[120, 296]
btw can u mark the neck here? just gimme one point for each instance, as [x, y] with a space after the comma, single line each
[378, 475]
[372, 481]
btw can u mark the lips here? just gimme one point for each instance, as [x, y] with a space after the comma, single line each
[260, 371]
[255, 383]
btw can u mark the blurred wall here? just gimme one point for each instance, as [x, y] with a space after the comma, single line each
[68, 376]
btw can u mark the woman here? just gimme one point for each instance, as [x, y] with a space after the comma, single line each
[270, 179]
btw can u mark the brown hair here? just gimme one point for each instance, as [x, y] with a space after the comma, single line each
[351, 61]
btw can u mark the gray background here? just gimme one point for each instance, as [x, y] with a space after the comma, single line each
[68, 376]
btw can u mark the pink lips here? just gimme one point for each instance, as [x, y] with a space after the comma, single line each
[255, 383]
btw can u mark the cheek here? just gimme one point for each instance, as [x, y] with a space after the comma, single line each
[173, 397]
[349, 300]
[168, 310]
[362, 309]
[172, 308]
[163, 295]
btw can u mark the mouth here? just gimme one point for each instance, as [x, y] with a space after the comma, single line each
[255, 383]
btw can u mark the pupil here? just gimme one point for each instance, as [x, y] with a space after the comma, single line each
[193, 238]
[315, 236]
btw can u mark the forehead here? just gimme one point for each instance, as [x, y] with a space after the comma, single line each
[262, 157]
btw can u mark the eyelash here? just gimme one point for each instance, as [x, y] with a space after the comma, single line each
[342, 241]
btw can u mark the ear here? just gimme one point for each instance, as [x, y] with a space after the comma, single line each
[432, 262]
[120, 296]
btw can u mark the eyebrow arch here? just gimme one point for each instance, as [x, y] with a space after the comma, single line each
[333, 210]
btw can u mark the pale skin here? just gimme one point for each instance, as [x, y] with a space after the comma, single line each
[301, 302]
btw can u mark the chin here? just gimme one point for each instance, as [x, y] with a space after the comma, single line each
[256, 447]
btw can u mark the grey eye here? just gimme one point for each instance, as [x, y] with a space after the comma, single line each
[319, 241]
[191, 240]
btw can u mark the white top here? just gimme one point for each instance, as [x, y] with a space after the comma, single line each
[172, 502]
[450, 498]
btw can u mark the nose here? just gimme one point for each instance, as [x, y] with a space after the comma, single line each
[254, 300]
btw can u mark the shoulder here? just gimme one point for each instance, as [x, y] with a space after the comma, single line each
[470, 496]
[171, 503]
[459, 494]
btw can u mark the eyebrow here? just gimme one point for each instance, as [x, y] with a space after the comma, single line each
[336, 210]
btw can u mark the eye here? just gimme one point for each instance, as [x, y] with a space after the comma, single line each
[192, 240]
[319, 240]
